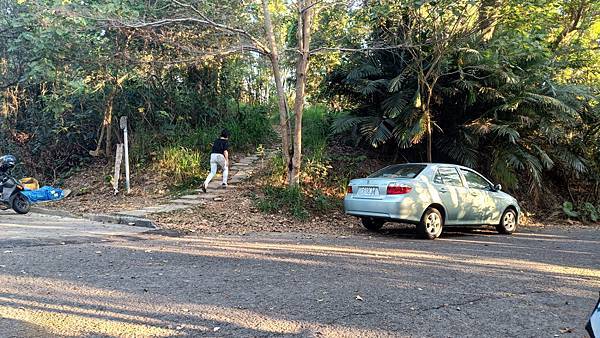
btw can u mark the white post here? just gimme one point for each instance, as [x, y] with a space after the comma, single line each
[117, 175]
[123, 123]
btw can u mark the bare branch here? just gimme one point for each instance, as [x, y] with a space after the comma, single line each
[204, 21]
[220, 26]
[360, 50]
[200, 56]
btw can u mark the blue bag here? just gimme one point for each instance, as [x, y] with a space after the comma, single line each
[44, 194]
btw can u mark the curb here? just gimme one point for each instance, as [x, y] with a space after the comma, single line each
[103, 218]
[118, 219]
[52, 212]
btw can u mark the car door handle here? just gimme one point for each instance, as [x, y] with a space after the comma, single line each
[474, 193]
[443, 190]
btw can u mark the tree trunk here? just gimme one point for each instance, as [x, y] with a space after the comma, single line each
[305, 17]
[283, 109]
[105, 129]
[428, 118]
[107, 124]
[429, 136]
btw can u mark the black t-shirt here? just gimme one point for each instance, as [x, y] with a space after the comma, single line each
[219, 146]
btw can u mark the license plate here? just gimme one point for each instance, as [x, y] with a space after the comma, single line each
[368, 191]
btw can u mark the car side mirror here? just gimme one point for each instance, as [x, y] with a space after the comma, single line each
[498, 187]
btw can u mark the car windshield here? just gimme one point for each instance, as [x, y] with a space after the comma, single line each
[399, 171]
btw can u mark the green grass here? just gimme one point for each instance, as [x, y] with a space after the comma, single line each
[315, 131]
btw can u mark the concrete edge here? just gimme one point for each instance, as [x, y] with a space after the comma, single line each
[121, 219]
[103, 218]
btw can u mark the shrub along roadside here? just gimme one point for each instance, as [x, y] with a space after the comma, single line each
[585, 212]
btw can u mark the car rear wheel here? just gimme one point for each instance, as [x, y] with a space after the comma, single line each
[372, 223]
[431, 224]
[508, 222]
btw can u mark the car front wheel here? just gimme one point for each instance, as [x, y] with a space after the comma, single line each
[431, 224]
[371, 223]
[508, 222]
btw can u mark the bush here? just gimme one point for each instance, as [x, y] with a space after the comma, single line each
[186, 166]
[585, 212]
[290, 200]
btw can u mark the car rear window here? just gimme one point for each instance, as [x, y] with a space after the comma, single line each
[399, 171]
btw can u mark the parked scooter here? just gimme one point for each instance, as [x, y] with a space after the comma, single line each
[11, 195]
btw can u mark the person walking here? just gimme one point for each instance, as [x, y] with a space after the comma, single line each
[219, 157]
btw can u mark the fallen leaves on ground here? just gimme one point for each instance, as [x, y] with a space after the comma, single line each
[236, 214]
[91, 192]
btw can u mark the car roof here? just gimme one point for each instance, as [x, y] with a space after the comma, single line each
[437, 165]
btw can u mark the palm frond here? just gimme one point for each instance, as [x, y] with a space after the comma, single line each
[459, 150]
[502, 172]
[369, 87]
[411, 133]
[346, 123]
[551, 104]
[507, 131]
[376, 131]
[364, 71]
[570, 160]
[396, 104]
[544, 157]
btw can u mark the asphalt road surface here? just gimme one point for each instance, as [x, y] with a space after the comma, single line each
[67, 277]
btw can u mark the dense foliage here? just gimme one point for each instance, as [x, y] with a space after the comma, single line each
[65, 81]
[508, 87]
[517, 104]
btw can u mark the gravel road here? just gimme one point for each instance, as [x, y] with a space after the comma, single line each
[538, 283]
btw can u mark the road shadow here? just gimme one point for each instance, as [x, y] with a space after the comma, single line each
[293, 285]
[14, 328]
[408, 231]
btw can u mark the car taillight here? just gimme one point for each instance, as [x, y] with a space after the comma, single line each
[398, 189]
[349, 190]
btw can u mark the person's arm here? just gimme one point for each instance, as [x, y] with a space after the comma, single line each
[226, 154]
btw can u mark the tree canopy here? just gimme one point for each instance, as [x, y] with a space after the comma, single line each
[510, 87]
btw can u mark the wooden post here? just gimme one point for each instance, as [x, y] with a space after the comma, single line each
[117, 175]
[123, 124]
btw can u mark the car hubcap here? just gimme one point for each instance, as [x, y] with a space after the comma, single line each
[509, 221]
[433, 223]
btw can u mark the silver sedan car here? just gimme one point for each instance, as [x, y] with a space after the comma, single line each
[430, 195]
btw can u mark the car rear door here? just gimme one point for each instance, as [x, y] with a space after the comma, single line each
[484, 208]
[454, 195]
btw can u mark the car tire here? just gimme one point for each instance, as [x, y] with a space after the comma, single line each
[372, 223]
[20, 203]
[431, 224]
[508, 222]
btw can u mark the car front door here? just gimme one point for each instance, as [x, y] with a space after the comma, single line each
[484, 208]
[454, 196]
